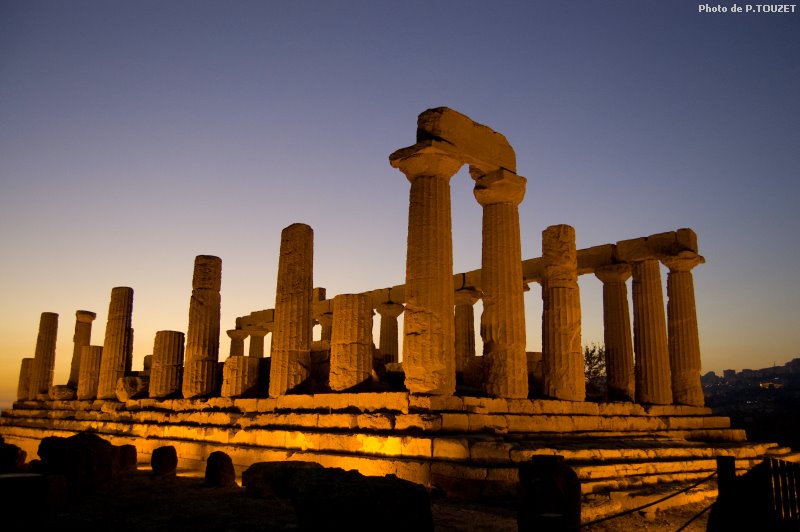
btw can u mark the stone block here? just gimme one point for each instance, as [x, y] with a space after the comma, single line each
[273, 479]
[490, 451]
[455, 422]
[436, 402]
[295, 402]
[427, 422]
[164, 460]
[219, 470]
[450, 449]
[337, 421]
[375, 422]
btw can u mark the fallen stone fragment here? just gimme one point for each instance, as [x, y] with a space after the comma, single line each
[219, 470]
[273, 479]
[164, 461]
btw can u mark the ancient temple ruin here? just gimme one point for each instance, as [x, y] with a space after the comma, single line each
[445, 416]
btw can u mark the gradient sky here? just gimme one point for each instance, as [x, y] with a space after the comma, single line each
[136, 135]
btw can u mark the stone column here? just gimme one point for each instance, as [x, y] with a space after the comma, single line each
[117, 348]
[89, 375]
[351, 341]
[167, 366]
[237, 337]
[240, 376]
[257, 335]
[465, 327]
[562, 353]
[388, 345]
[292, 334]
[650, 335]
[505, 364]
[326, 323]
[617, 331]
[44, 358]
[428, 325]
[684, 341]
[23, 388]
[82, 337]
[202, 336]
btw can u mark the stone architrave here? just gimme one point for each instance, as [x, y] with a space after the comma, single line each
[562, 353]
[117, 346]
[428, 325]
[237, 336]
[257, 335]
[465, 299]
[202, 335]
[44, 359]
[617, 331]
[500, 192]
[292, 334]
[89, 376]
[388, 339]
[23, 388]
[652, 371]
[351, 341]
[684, 340]
[167, 365]
[82, 337]
[240, 376]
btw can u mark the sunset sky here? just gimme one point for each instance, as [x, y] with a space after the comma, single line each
[136, 135]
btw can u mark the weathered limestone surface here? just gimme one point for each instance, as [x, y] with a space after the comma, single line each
[650, 335]
[237, 336]
[388, 339]
[465, 299]
[428, 325]
[132, 387]
[291, 339]
[617, 331]
[118, 344]
[257, 335]
[89, 376]
[23, 388]
[167, 365]
[44, 359]
[61, 392]
[82, 337]
[202, 336]
[562, 354]
[240, 376]
[351, 341]
[325, 321]
[684, 341]
[503, 320]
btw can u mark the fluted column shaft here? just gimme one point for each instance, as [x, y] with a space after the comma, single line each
[650, 335]
[617, 332]
[202, 335]
[240, 376]
[465, 327]
[23, 387]
[117, 346]
[388, 341]
[44, 358]
[351, 341]
[167, 366]
[291, 338]
[428, 325]
[562, 354]
[503, 319]
[237, 337]
[257, 342]
[82, 337]
[89, 376]
[684, 340]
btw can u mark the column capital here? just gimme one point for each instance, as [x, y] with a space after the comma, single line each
[683, 263]
[426, 159]
[85, 316]
[497, 186]
[614, 273]
[238, 334]
[389, 309]
[467, 296]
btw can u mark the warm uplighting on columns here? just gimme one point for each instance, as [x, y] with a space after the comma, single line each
[237, 336]
[257, 335]
[82, 337]
[387, 341]
[465, 300]
[44, 358]
[118, 344]
[202, 336]
[617, 331]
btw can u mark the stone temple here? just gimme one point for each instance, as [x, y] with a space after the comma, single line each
[445, 416]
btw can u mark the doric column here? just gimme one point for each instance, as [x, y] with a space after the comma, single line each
[650, 335]
[238, 337]
[562, 354]
[684, 341]
[291, 338]
[387, 342]
[117, 346]
[617, 331]
[82, 337]
[257, 335]
[326, 323]
[202, 336]
[428, 325]
[240, 376]
[167, 364]
[23, 387]
[351, 341]
[465, 327]
[89, 375]
[500, 192]
[44, 358]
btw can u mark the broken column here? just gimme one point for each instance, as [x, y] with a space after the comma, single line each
[387, 342]
[465, 299]
[240, 376]
[500, 192]
[351, 341]
[23, 387]
[292, 334]
[166, 369]
[82, 337]
[237, 336]
[202, 336]
[617, 331]
[44, 359]
[89, 372]
[683, 338]
[257, 335]
[650, 335]
[118, 343]
[562, 354]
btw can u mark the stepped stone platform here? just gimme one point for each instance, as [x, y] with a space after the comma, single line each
[468, 447]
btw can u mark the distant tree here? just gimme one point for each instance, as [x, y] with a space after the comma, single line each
[594, 368]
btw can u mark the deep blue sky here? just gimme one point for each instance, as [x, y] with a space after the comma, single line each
[136, 135]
